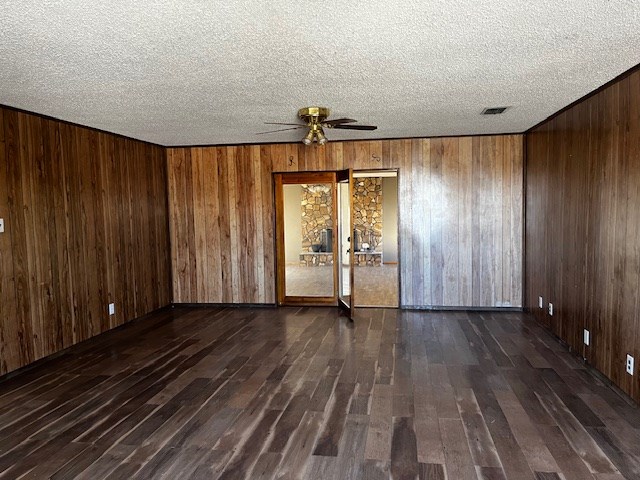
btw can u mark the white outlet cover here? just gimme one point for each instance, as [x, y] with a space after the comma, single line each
[586, 337]
[630, 365]
[112, 309]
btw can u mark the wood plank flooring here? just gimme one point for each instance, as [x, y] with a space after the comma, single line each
[302, 393]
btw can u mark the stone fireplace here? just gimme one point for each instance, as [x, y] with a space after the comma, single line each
[367, 212]
[317, 210]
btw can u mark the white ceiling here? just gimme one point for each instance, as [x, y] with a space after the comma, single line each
[180, 72]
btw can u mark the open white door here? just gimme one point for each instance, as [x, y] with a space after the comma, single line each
[345, 255]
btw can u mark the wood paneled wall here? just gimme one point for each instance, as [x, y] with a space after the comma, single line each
[583, 227]
[86, 224]
[460, 209]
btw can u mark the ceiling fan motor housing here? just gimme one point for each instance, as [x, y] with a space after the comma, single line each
[313, 115]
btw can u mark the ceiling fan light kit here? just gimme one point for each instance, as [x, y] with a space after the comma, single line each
[320, 138]
[314, 116]
[308, 139]
[315, 119]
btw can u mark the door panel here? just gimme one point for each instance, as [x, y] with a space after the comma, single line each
[345, 244]
[306, 246]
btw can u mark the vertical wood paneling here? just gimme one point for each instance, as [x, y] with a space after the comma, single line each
[465, 209]
[421, 193]
[18, 232]
[31, 159]
[452, 195]
[485, 241]
[268, 222]
[105, 175]
[632, 146]
[460, 202]
[212, 232]
[407, 200]
[200, 230]
[10, 349]
[86, 224]
[583, 225]
[225, 281]
[236, 263]
[259, 223]
[514, 156]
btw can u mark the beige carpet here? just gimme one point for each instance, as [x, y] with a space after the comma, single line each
[374, 286]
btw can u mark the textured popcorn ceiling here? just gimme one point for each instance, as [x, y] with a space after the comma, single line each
[181, 72]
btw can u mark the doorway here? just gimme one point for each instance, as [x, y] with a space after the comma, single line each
[305, 241]
[337, 238]
[375, 206]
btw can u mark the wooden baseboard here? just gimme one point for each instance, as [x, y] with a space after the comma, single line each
[445, 308]
[224, 305]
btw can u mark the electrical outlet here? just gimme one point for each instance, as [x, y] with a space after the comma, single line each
[586, 337]
[1, 225]
[112, 309]
[630, 363]
[551, 309]
[540, 302]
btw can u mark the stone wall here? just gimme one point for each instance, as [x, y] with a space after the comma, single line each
[316, 259]
[371, 259]
[317, 209]
[367, 213]
[317, 212]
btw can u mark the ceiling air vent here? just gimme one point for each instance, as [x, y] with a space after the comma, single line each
[494, 110]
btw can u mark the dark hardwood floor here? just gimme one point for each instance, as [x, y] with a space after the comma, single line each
[303, 393]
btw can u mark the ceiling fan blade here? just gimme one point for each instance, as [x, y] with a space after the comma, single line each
[278, 123]
[355, 127]
[282, 130]
[338, 121]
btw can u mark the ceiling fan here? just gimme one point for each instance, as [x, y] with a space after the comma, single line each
[315, 119]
